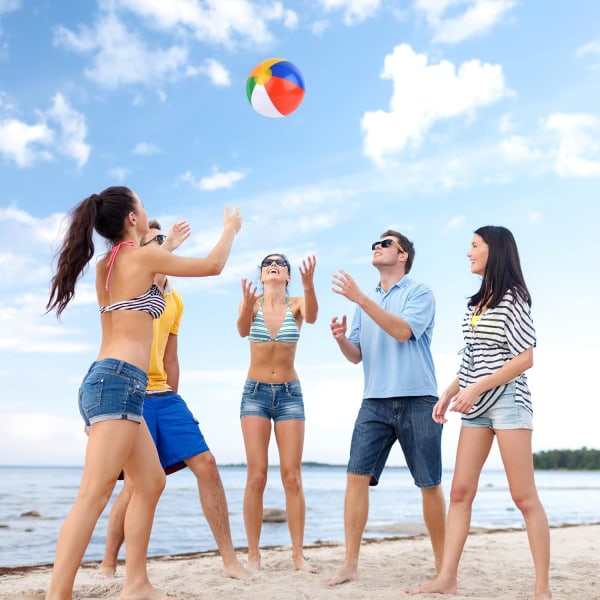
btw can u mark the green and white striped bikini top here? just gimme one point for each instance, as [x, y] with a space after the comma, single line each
[288, 332]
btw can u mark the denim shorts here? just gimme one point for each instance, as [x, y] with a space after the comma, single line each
[277, 401]
[174, 429]
[382, 421]
[112, 389]
[505, 413]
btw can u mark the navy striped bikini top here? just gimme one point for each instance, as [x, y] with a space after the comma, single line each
[288, 332]
[151, 301]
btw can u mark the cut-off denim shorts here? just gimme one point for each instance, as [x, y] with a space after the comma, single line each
[382, 421]
[277, 401]
[505, 413]
[112, 389]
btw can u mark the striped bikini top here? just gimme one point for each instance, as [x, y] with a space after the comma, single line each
[151, 301]
[288, 332]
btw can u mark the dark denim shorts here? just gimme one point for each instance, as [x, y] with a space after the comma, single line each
[112, 389]
[382, 421]
[277, 401]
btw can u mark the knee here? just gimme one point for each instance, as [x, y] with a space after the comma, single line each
[526, 503]
[257, 481]
[151, 485]
[462, 494]
[292, 481]
[203, 465]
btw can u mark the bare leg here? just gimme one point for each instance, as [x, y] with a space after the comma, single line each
[434, 515]
[473, 448]
[148, 480]
[115, 534]
[356, 512]
[108, 443]
[214, 506]
[290, 440]
[257, 432]
[515, 449]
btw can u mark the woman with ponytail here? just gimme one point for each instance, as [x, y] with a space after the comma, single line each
[112, 392]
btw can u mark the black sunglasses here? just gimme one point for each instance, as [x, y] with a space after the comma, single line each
[159, 239]
[386, 244]
[281, 262]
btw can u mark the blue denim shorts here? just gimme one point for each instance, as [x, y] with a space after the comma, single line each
[382, 421]
[174, 429]
[277, 401]
[505, 413]
[112, 389]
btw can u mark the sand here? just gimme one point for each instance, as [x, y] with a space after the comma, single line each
[496, 564]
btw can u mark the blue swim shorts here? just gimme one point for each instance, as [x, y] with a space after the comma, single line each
[112, 389]
[382, 421]
[505, 413]
[174, 429]
[277, 401]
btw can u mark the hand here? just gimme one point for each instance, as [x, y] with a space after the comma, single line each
[307, 271]
[179, 232]
[345, 286]
[464, 400]
[249, 293]
[338, 328]
[438, 414]
[233, 219]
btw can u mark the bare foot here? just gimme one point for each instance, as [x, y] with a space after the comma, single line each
[543, 595]
[436, 586]
[236, 570]
[108, 571]
[254, 562]
[343, 575]
[146, 592]
[301, 565]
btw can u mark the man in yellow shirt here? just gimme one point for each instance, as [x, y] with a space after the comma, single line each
[175, 431]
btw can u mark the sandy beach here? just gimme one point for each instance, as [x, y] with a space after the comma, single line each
[496, 564]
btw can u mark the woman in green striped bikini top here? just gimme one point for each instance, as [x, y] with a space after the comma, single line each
[272, 396]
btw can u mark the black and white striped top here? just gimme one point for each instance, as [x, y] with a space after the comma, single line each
[152, 302]
[500, 334]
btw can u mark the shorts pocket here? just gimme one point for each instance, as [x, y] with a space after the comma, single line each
[90, 394]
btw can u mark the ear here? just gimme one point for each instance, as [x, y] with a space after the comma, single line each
[132, 218]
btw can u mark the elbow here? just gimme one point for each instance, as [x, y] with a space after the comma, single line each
[311, 318]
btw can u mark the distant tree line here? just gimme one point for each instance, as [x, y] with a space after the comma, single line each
[584, 459]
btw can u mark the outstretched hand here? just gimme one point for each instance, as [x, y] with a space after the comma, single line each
[249, 293]
[232, 219]
[344, 285]
[179, 232]
[338, 328]
[307, 271]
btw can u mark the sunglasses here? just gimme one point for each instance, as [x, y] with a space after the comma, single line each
[386, 244]
[159, 239]
[281, 262]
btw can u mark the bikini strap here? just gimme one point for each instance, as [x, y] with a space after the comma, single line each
[113, 255]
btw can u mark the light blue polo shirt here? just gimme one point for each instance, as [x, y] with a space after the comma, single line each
[393, 368]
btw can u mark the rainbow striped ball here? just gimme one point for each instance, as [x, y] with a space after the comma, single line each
[275, 87]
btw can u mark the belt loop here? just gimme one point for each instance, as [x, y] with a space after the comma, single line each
[120, 367]
[287, 387]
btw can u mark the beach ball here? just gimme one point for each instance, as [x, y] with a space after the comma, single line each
[275, 87]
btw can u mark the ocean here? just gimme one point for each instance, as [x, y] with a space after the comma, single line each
[570, 497]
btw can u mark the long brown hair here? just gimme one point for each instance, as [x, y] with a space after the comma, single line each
[104, 212]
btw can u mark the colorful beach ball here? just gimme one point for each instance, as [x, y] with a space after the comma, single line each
[275, 87]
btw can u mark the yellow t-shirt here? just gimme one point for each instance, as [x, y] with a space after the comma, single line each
[167, 324]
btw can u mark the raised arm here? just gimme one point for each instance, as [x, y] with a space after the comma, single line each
[350, 350]
[310, 306]
[246, 310]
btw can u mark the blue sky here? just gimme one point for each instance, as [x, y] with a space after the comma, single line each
[433, 117]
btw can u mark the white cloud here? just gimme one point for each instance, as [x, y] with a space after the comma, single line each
[515, 148]
[424, 94]
[214, 70]
[217, 181]
[578, 153]
[146, 149]
[589, 48]
[25, 144]
[477, 17]
[455, 222]
[119, 173]
[355, 11]
[73, 130]
[122, 56]
[213, 20]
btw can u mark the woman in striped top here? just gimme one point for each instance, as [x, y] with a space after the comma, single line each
[492, 395]
[272, 392]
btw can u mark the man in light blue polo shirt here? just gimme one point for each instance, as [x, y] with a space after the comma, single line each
[391, 335]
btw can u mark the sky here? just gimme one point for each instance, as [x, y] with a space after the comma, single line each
[432, 117]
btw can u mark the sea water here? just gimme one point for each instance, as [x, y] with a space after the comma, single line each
[570, 497]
